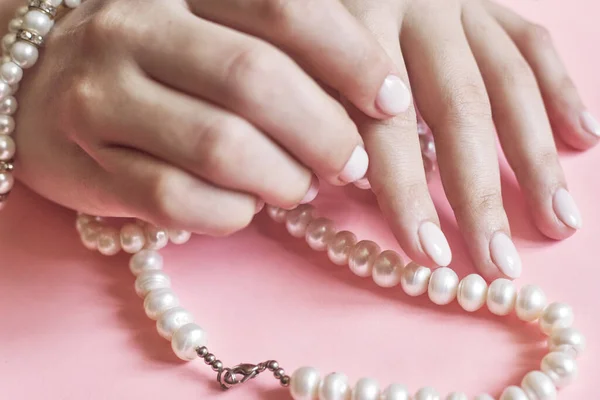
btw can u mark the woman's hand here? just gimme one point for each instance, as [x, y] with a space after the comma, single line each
[473, 66]
[185, 114]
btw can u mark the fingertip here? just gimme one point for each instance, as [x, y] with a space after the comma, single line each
[394, 97]
[312, 192]
[434, 244]
[505, 256]
[356, 166]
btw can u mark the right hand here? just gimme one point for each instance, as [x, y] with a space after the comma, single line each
[189, 114]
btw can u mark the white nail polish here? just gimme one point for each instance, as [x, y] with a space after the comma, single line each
[356, 167]
[435, 244]
[590, 123]
[566, 209]
[505, 256]
[312, 192]
[394, 97]
[363, 184]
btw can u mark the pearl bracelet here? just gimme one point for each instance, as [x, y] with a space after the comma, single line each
[365, 259]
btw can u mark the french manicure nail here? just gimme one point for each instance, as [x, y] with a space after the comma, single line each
[590, 123]
[363, 184]
[393, 97]
[435, 244]
[260, 204]
[566, 210]
[312, 192]
[356, 167]
[505, 256]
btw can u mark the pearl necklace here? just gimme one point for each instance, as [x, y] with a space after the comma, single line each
[364, 258]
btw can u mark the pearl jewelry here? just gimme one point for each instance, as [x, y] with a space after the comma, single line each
[304, 384]
[457, 396]
[483, 396]
[72, 3]
[501, 296]
[55, 3]
[171, 320]
[387, 269]
[427, 393]
[298, 219]
[531, 301]
[362, 257]
[179, 236]
[151, 280]
[8, 106]
[277, 214]
[7, 148]
[560, 367]
[24, 54]
[38, 22]
[133, 238]
[22, 11]
[156, 238]
[443, 286]
[395, 392]
[108, 242]
[556, 315]
[11, 73]
[145, 260]
[319, 233]
[5, 90]
[538, 386]
[15, 25]
[366, 389]
[89, 235]
[513, 393]
[159, 301]
[334, 387]
[6, 182]
[472, 292]
[568, 340]
[415, 279]
[341, 246]
[186, 340]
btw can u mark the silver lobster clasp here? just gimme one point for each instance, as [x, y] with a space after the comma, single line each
[239, 374]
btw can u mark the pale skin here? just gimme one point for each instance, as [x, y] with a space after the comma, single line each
[190, 114]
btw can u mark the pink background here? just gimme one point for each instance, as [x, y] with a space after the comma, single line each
[71, 326]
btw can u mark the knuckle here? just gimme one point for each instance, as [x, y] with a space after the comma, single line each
[468, 107]
[536, 35]
[282, 15]
[251, 65]
[163, 206]
[518, 73]
[480, 203]
[82, 97]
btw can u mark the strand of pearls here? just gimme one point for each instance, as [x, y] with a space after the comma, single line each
[365, 259]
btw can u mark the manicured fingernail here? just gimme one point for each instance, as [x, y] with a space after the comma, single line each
[363, 184]
[505, 256]
[356, 167]
[590, 123]
[393, 97]
[566, 210]
[313, 191]
[260, 204]
[435, 244]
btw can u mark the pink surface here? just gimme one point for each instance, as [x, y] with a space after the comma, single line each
[71, 326]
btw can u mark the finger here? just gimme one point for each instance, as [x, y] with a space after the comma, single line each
[522, 124]
[569, 117]
[166, 196]
[261, 84]
[451, 95]
[204, 140]
[396, 172]
[325, 39]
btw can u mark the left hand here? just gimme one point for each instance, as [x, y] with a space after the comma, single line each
[473, 66]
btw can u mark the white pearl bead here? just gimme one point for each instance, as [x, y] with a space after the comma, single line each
[531, 301]
[133, 238]
[415, 279]
[560, 367]
[334, 387]
[8, 40]
[341, 246]
[159, 301]
[7, 148]
[5, 90]
[366, 389]
[37, 21]
[55, 3]
[72, 3]
[24, 54]
[15, 24]
[22, 11]
[7, 181]
[186, 340]
[568, 340]
[179, 236]
[513, 393]
[156, 238]
[319, 233]
[304, 384]
[483, 396]
[108, 241]
[11, 73]
[8, 107]
[556, 315]
[443, 286]
[501, 296]
[297, 220]
[171, 320]
[82, 221]
[362, 257]
[457, 396]
[472, 292]
[387, 269]
[151, 280]
[145, 260]
[427, 393]
[277, 214]
[538, 386]
[89, 235]
[395, 392]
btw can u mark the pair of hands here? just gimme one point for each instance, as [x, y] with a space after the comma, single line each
[189, 114]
